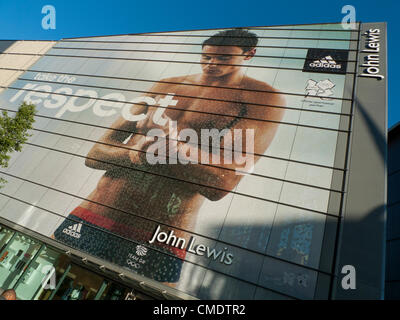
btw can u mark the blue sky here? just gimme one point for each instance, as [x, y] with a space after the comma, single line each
[22, 20]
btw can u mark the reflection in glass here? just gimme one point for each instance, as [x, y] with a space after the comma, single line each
[16, 258]
[76, 283]
[31, 285]
[5, 236]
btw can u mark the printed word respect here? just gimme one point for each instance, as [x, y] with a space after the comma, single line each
[66, 100]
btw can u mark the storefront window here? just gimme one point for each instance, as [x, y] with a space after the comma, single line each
[5, 236]
[115, 291]
[26, 265]
[78, 284]
[31, 284]
[16, 256]
[62, 267]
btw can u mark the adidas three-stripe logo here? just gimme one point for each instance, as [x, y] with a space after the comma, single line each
[326, 62]
[74, 230]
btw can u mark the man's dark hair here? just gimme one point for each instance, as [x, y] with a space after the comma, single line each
[233, 37]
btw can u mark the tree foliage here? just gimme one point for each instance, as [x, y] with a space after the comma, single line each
[14, 132]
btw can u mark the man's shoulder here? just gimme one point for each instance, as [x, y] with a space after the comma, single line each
[165, 85]
[258, 85]
[172, 83]
[177, 80]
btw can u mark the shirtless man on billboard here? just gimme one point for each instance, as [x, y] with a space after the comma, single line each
[134, 197]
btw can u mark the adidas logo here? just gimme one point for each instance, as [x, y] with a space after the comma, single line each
[74, 231]
[326, 62]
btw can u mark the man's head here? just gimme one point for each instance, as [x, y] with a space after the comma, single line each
[229, 47]
[9, 295]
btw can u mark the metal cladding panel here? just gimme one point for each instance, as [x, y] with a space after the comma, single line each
[363, 229]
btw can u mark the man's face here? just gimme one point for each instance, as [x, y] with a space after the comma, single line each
[231, 58]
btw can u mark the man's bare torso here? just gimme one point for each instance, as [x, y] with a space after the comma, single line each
[132, 191]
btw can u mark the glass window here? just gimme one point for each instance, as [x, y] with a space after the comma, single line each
[114, 291]
[78, 284]
[5, 236]
[16, 257]
[29, 287]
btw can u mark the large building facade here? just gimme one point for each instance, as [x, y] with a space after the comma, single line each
[247, 163]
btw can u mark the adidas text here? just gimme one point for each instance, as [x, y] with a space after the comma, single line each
[325, 65]
[74, 231]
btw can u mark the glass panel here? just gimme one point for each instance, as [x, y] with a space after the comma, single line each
[16, 258]
[30, 286]
[79, 284]
[5, 236]
[62, 266]
[115, 291]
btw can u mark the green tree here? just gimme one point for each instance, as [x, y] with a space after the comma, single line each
[14, 132]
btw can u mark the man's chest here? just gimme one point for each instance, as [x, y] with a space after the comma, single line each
[200, 107]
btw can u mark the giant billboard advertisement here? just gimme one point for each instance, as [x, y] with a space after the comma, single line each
[210, 161]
